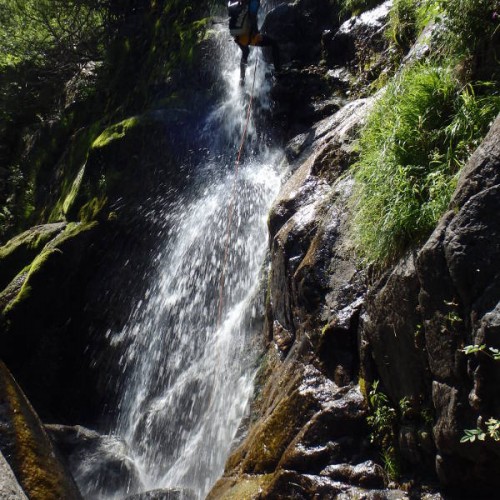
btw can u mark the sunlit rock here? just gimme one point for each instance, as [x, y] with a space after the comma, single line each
[24, 442]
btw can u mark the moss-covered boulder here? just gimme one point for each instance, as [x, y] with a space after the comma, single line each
[37, 311]
[28, 449]
[22, 249]
[48, 274]
[126, 162]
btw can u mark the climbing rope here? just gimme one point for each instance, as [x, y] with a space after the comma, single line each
[231, 204]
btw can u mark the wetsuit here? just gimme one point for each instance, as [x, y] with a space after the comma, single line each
[252, 36]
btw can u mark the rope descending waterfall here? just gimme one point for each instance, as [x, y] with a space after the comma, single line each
[231, 204]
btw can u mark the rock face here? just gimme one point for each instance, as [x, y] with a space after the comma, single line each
[333, 328]
[27, 447]
[348, 44]
[358, 51]
[307, 17]
[463, 253]
[311, 417]
[36, 310]
[9, 487]
[420, 316]
[100, 464]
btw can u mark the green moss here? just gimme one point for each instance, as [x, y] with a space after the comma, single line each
[75, 187]
[72, 231]
[22, 249]
[46, 263]
[115, 132]
[72, 173]
[245, 487]
[36, 267]
[363, 387]
[34, 463]
[270, 438]
[91, 210]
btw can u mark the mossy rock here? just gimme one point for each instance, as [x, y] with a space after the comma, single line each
[70, 171]
[287, 403]
[124, 163]
[28, 449]
[22, 249]
[276, 432]
[37, 333]
[245, 487]
[49, 273]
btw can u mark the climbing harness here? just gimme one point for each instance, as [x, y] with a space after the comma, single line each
[231, 204]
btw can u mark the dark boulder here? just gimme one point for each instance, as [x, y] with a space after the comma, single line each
[459, 302]
[357, 37]
[100, 464]
[36, 318]
[297, 27]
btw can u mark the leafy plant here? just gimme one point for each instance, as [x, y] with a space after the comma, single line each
[492, 431]
[404, 406]
[383, 420]
[492, 424]
[491, 352]
[468, 24]
[64, 31]
[356, 7]
[402, 28]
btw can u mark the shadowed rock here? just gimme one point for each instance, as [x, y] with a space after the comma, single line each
[24, 442]
[100, 464]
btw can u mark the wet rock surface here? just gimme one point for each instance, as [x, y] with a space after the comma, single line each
[421, 314]
[100, 464]
[165, 494]
[358, 52]
[307, 17]
[405, 326]
[309, 414]
[345, 46]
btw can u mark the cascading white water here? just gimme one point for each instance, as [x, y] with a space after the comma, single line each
[188, 380]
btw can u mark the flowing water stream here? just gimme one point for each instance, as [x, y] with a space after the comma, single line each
[188, 380]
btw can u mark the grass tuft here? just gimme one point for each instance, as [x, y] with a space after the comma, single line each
[355, 7]
[414, 143]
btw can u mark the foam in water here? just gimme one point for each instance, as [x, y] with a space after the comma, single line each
[188, 381]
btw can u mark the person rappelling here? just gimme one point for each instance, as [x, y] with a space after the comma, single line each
[244, 29]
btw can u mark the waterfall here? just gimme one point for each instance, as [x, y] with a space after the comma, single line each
[187, 380]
